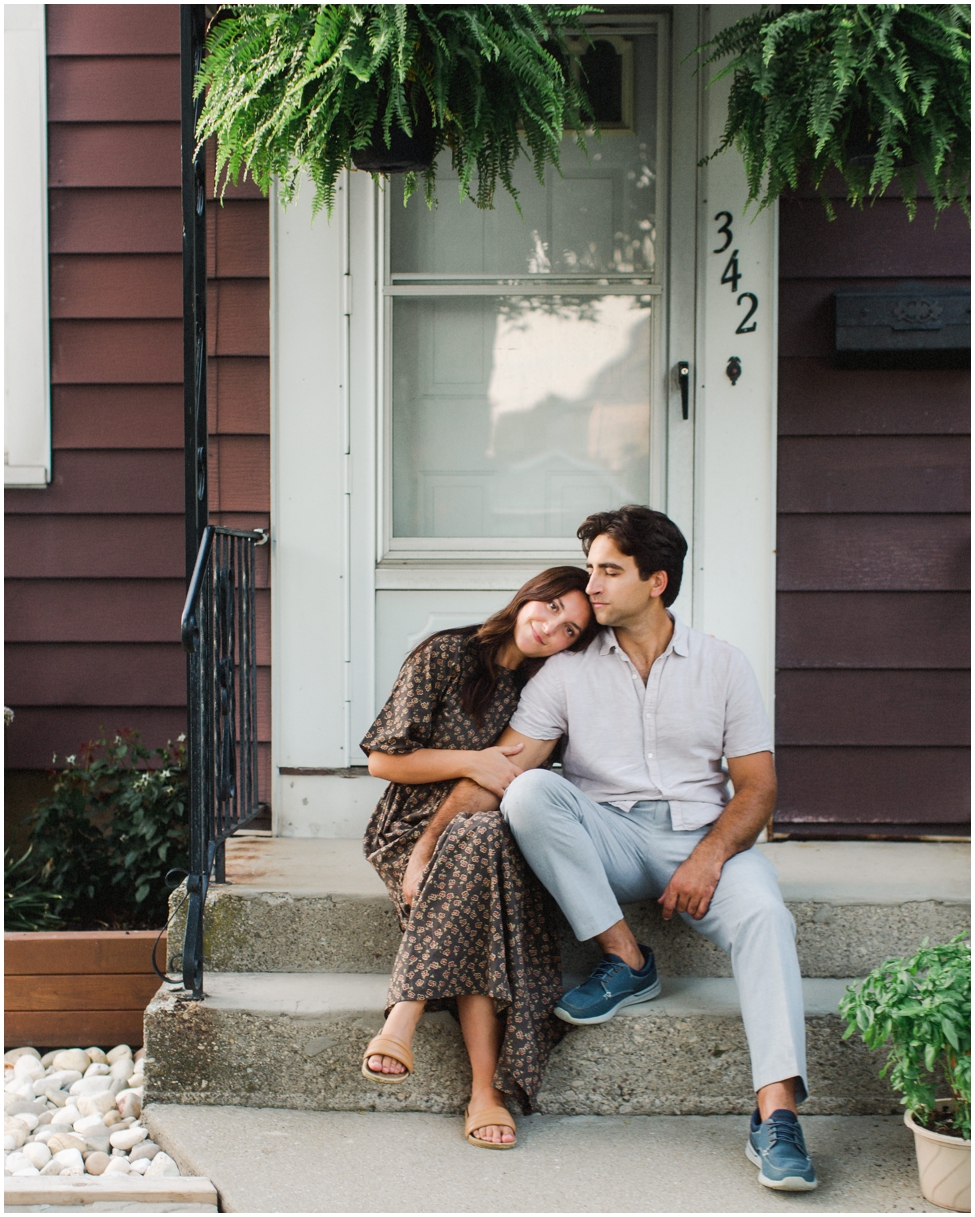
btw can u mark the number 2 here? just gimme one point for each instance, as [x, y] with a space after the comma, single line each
[724, 230]
[748, 329]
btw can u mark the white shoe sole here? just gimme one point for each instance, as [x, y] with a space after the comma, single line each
[636, 999]
[791, 1183]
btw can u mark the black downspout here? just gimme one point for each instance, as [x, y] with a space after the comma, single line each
[192, 35]
[192, 28]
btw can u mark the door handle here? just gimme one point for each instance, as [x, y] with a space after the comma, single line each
[683, 379]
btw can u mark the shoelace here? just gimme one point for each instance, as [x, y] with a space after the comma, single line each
[786, 1131]
[605, 970]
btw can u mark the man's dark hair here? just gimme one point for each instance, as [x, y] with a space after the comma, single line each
[650, 537]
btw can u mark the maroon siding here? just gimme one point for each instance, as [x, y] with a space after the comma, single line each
[95, 562]
[872, 690]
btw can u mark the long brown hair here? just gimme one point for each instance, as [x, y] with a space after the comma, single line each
[479, 686]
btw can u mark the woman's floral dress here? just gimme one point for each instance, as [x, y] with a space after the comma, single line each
[480, 922]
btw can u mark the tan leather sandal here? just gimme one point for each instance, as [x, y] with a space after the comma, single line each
[388, 1045]
[481, 1119]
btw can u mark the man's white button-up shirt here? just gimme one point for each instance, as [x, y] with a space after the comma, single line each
[625, 742]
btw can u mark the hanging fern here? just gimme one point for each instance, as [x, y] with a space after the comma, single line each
[293, 87]
[878, 90]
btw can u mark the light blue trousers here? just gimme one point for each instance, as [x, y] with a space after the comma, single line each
[592, 857]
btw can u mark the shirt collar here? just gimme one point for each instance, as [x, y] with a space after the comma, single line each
[678, 642]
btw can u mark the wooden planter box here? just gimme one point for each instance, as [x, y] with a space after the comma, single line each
[72, 989]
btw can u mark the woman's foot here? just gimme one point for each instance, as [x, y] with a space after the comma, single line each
[490, 1132]
[400, 1024]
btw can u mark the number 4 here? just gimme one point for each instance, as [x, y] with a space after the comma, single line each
[731, 272]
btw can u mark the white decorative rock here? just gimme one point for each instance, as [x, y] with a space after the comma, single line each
[67, 1115]
[129, 1104]
[122, 1068]
[47, 1060]
[52, 1168]
[111, 1117]
[72, 1058]
[65, 1140]
[137, 1079]
[13, 1056]
[17, 1161]
[144, 1150]
[22, 1087]
[117, 1053]
[96, 1068]
[28, 1066]
[97, 1163]
[45, 1118]
[38, 1153]
[69, 1157]
[96, 1104]
[58, 1097]
[87, 1123]
[96, 1056]
[126, 1138]
[162, 1166]
[140, 1166]
[27, 1170]
[117, 1166]
[14, 1138]
[48, 1131]
[90, 1085]
[28, 1118]
[61, 1079]
[72, 1170]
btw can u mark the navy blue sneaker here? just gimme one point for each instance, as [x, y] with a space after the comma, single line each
[612, 985]
[776, 1147]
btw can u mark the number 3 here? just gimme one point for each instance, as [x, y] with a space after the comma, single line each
[748, 329]
[724, 231]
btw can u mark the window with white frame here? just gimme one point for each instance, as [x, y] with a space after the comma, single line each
[27, 377]
[519, 348]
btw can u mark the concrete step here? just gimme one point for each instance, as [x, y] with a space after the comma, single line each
[296, 1040]
[317, 906]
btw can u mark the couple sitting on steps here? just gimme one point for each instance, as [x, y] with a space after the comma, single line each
[647, 709]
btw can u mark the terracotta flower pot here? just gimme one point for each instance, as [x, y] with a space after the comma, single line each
[944, 1164]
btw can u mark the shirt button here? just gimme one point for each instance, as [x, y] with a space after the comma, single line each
[650, 756]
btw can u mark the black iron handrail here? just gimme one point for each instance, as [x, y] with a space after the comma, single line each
[218, 630]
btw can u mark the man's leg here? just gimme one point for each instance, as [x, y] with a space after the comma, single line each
[748, 919]
[590, 857]
[582, 852]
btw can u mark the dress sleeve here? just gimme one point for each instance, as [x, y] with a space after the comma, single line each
[405, 723]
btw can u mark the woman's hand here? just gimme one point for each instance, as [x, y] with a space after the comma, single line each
[419, 860]
[493, 769]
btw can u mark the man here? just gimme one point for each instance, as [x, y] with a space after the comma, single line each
[648, 712]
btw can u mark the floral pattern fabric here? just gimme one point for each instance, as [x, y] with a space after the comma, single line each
[481, 922]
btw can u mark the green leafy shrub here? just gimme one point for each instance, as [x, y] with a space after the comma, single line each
[301, 86]
[27, 904]
[920, 1009]
[115, 824]
[876, 90]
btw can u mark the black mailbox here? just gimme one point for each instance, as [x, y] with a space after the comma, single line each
[906, 325]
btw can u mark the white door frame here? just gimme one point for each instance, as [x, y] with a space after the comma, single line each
[325, 449]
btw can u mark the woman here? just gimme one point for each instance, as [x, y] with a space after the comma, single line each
[477, 938]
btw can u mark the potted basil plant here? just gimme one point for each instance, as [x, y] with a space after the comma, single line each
[319, 88]
[920, 1010]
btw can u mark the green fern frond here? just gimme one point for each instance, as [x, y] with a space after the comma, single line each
[292, 88]
[813, 86]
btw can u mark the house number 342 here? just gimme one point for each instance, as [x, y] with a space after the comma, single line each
[732, 274]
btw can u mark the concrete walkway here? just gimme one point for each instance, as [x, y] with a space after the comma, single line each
[285, 1161]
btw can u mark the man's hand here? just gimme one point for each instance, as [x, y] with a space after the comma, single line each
[418, 863]
[493, 769]
[691, 887]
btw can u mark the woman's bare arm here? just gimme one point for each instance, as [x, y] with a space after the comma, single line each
[493, 768]
[467, 797]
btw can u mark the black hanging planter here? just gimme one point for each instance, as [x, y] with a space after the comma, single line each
[406, 153]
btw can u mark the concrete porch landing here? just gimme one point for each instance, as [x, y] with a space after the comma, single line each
[317, 906]
[345, 1162]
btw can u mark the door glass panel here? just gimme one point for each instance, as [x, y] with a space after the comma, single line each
[517, 416]
[599, 217]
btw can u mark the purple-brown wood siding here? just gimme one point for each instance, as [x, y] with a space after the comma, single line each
[872, 653]
[95, 562]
